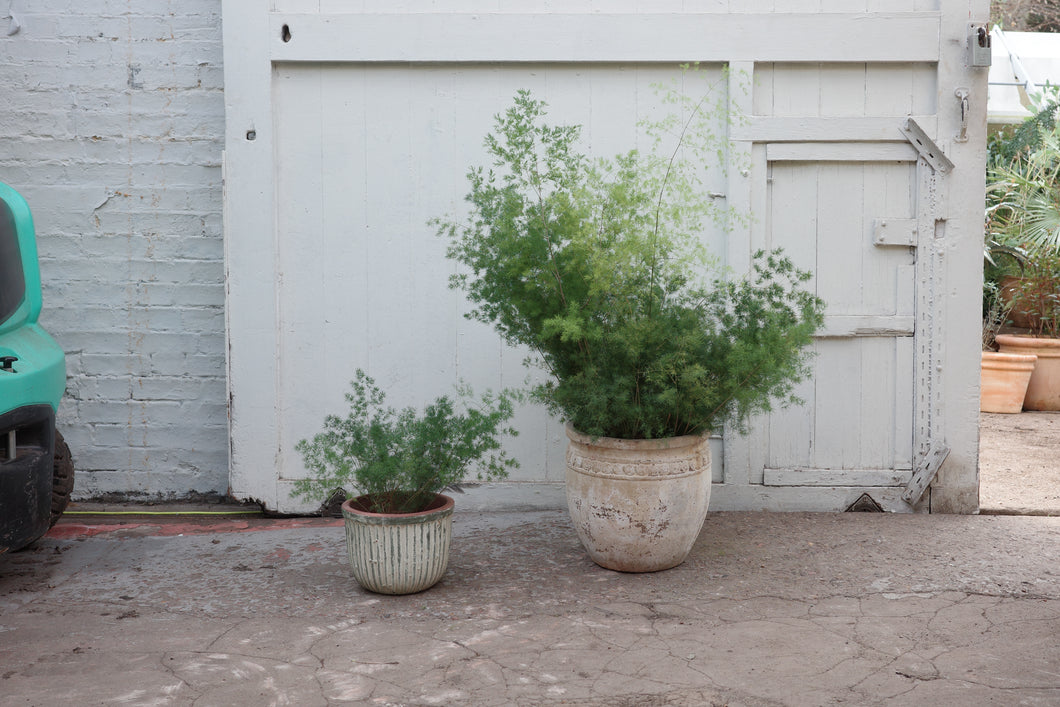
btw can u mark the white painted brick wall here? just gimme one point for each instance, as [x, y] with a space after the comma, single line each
[112, 127]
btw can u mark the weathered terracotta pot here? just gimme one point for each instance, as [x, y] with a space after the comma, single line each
[638, 505]
[1003, 381]
[1043, 390]
[399, 553]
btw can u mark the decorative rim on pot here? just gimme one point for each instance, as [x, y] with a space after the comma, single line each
[633, 444]
[1024, 343]
[1004, 359]
[617, 458]
[358, 507]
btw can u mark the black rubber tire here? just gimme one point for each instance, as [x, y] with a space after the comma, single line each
[62, 478]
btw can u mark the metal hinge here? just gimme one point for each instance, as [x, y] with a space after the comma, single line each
[925, 473]
[926, 146]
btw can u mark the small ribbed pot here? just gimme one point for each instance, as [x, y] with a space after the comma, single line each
[638, 505]
[398, 553]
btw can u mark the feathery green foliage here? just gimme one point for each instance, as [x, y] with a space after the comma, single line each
[1011, 144]
[595, 266]
[400, 460]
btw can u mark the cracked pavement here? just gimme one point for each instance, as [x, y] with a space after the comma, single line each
[770, 609]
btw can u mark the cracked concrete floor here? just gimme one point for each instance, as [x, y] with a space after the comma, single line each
[770, 609]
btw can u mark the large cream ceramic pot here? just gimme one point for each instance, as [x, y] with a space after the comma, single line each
[637, 505]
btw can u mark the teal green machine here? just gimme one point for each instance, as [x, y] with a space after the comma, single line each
[36, 472]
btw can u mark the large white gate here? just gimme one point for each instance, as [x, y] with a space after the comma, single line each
[860, 151]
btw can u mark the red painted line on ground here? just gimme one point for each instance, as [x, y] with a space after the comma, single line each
[72, 529]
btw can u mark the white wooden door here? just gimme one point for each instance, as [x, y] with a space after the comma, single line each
[349, 127]
[845, 209]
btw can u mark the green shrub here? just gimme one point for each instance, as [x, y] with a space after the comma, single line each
[1036, 294]
[596, 267]
[1023, 223]
[400, 460]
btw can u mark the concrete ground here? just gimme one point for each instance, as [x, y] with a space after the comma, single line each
[770, 609]
[1018, 469]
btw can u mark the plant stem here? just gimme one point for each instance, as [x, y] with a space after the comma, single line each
[662, 191]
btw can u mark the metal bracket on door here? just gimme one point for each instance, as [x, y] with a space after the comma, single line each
[925, 473]
[926, 146]
[962, 96]
[895, 231]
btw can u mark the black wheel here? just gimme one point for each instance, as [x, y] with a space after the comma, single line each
[62, 478]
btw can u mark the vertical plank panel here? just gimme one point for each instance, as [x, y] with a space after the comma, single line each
[925, 89]
[888, 190]
[904, 424]
[837, 439]
[388, 204]
[743, 175]
[877, 413]
[800, 5]
[345, 288]
[840, 205]
[889, 89]
[791, 431]
[762, 88]
[430, 194]
[468, 121]
[707, 5]
[755, 446]
[794, 226]
[307, 5]
[741, 6]
[299, 244]
[843, 5]
[842, 90]
[796, 90]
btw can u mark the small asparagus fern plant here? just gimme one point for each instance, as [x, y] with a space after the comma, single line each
[398, 460]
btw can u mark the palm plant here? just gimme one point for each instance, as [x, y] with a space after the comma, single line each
[1023, 221]
[1023, 199]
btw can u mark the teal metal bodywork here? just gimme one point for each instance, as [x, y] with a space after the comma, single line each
[40, 371]
[32, 382]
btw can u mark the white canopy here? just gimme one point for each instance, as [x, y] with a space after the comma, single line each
[1022, 64]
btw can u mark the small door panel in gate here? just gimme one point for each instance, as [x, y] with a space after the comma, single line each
[856, 427]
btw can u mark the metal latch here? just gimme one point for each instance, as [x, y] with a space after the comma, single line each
[979, 46]
[962, 96]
